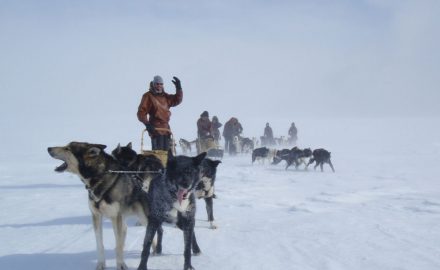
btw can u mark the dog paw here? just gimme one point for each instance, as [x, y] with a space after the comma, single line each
[121, 266]
[100, 266]
[188, 268]
[213, 226]
[197, 253]
[157, 251]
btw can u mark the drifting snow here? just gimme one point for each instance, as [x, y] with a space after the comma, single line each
[380, 210]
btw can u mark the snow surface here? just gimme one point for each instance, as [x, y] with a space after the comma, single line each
[380, 210]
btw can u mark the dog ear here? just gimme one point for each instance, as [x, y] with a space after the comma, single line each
[118, 148]
[198, 159]
[100, 146]
[129, 145]
[217, 162]
[94, 151]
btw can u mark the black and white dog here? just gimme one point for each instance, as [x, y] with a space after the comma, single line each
[262, 154]
[321, 156]
[171, 199]
[205, 188]
[281, 155]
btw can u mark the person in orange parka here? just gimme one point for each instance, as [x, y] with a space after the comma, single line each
[154, 112]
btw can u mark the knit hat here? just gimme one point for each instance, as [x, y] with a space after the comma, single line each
[204, 114]
[157, 79]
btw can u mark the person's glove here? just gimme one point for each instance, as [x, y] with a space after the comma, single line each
[150, 128]
[176, 82]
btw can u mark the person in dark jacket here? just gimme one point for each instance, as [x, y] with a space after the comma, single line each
[215, 129]
[293, 133]
[232, 128]
[154, 112]
[204, 126]
[268, 135]
[204, 133]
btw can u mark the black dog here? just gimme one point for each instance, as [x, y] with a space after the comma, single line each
[321, 156]
[171, 199]
[205, 188]
[262, 153]
[146, 166]
[298, 156]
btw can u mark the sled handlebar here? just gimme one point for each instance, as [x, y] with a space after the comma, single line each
[159, 129]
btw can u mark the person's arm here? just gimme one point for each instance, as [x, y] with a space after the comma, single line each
[144, 108]
[176, 99]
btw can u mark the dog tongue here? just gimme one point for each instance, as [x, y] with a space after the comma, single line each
[181, 193]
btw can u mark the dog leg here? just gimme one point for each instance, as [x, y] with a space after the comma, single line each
[97, 227]
[120, 230]
[331, 165]
[289, 162]
[310, 162]
[188, 234]
[210, 211]
[152, 227]
[321, 165]
[195, 246]
[158, 247]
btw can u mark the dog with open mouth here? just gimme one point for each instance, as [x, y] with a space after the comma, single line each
[111, 195]
[171, 199]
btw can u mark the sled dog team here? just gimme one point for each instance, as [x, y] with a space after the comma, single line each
[294, 156]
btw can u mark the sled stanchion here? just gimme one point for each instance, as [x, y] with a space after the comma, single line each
[160, 154]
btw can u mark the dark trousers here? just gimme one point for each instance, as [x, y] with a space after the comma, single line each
[160, 142]
[228, 145]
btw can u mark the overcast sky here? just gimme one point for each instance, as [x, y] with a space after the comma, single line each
[263, 59]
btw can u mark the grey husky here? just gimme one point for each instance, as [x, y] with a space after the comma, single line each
[171, 199]
[110, 195]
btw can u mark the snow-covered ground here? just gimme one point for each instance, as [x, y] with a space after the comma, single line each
[380, 210]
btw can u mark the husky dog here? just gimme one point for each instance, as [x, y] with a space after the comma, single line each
[256, 142]
[305, 157]
[236, 143]
[281, 155]
[281, 141]
[110, 195]
[321, 156]
[294, 156]
[171, 199]
[147, 166]
[205, 188]
[185, 146]
[247, 145]
[262, 154]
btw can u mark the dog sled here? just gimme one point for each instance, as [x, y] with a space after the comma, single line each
[210, 146]
[162, 155]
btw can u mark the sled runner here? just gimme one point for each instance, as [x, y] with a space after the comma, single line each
[160, 154]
